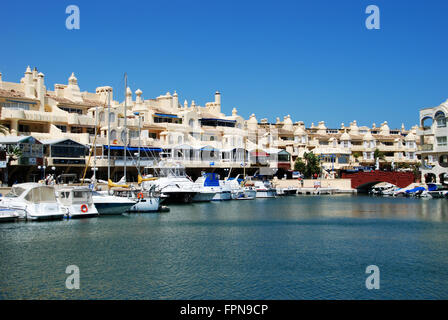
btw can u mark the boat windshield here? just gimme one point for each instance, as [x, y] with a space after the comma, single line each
[41, 194]
[81, 196]
[15, 192]
[171, 172]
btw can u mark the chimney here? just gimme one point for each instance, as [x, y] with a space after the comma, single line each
[29, 86]
[41, 90]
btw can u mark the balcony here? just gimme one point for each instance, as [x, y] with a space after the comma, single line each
[426, 147]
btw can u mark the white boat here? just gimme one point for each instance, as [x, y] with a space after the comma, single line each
[145, 201]
[289, 191]
[110, 205]
[77, 202]
[173, 182]
[225, 192]
[34, 201]
[209, 183]
[241, 191]
[8, 215]
[264, 189]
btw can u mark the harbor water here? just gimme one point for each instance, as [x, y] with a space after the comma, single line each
[298, 247]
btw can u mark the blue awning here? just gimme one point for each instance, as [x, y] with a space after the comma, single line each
[145, 149]
[216, 119]
[166, 115]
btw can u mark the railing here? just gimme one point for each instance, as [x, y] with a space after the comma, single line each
[426, 147]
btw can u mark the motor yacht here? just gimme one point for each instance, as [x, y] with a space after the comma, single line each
[8, 215]
[77, 202]
[173, 182]
[264, 189]
[145, 200]
[209, 184]
[109, 204]
[33, 201]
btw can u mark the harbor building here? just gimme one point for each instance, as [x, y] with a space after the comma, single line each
[433, 147]
[199, 137]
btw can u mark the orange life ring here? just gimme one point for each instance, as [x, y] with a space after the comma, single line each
[84, 208]
[140, 195]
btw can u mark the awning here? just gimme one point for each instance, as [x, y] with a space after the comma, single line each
[146, 149]
[166, 115]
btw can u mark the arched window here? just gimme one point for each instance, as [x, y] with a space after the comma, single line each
[427, 123]
[440, 119]
[102, 116]
[113, 135]
[170, 139]
[191, 123]
[179, 139]
[212, 138]
[112, 117]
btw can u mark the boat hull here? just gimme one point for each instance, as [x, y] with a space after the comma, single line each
[266, 194]
[204, 196]
[179, 197]
[222, 196]
[146, 205]
[107, 209]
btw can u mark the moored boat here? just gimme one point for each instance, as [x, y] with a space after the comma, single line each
[34, 201]
[77, 202]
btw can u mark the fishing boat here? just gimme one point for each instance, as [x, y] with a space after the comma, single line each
[33, 201]
[77, 202]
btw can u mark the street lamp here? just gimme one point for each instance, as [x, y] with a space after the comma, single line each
[42, 168]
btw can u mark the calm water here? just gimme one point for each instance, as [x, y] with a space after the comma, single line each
[305, 247]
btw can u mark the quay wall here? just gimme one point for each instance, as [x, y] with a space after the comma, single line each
[341, 184]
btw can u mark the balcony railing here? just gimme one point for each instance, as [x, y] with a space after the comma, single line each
[426, 147]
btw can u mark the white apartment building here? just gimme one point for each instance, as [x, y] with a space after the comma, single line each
[433, 133]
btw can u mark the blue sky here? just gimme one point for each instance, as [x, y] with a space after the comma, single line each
[314, 60]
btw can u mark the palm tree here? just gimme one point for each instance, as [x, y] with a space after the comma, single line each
[378, 154]
[12, 153]
[4, 130]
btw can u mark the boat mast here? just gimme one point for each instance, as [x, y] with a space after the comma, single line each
[244, 158]
[125, 123]
[94, 144]
[139, 144]
[108, 136]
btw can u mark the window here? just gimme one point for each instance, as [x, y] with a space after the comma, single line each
[71, 110]
[427, 123]
[113, 135]
[441, 141]
[191, 123]
[112, 117]
[24, 128]
[76, 130]
[61, 127]
[440, 119]
[16, 105]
